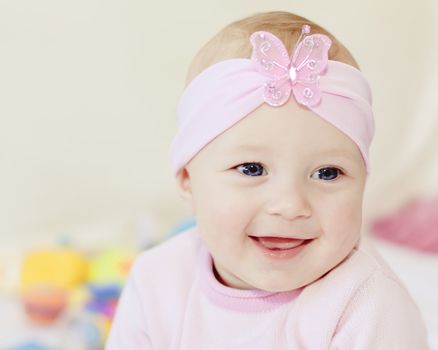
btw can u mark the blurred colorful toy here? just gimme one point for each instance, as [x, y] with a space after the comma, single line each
[43, 304]
[87, 289]
[46, 278]
[110, 266]
[61, 267]
[108, 273]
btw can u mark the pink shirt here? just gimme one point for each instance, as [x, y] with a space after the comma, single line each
[172, 300]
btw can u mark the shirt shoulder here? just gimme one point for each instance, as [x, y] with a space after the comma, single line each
[380, 313]
[154, 299]
[361, 290]
[170, 263]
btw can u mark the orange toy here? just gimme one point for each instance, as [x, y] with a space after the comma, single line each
[43, 304]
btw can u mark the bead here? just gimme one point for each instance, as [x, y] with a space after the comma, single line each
[305, 29]
[273, 92]
[271, 87]
[266, 63]
[311, 64]
[277, 95]
[308, 93]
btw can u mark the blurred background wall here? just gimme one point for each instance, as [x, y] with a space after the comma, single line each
[89, 88]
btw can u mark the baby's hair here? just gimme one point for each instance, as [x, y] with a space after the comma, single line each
[233, 40]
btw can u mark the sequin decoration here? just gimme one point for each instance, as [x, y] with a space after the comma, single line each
[299, 75]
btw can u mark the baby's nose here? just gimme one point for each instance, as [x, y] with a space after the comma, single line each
[289, 201]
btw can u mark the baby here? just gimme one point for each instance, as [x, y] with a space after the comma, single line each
[272, 156]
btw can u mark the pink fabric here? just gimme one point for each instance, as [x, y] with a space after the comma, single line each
[236, 299]
[415, 225]
[173, 301]
[227, 91]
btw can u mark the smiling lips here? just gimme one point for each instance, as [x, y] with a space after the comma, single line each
[279, 248]
[278, 243]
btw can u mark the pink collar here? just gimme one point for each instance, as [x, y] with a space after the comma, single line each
[253, 300]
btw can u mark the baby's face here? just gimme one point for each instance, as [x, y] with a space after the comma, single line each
[279, 172]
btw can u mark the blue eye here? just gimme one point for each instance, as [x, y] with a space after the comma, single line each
[251, 169]
[327, 174]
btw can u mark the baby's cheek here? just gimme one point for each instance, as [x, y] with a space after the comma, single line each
[220, 209]
[222, 221]
[344, 221]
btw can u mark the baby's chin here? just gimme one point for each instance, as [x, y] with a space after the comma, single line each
[280, 283]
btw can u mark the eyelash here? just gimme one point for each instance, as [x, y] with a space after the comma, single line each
[247, 164]
[340, 172]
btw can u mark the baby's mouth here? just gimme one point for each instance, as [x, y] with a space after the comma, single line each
[278, 243]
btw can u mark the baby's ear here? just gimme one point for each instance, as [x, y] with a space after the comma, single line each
[183, 184]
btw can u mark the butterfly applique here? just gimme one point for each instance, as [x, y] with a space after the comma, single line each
[300, 75]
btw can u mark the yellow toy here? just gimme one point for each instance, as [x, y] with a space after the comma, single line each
[59, 267]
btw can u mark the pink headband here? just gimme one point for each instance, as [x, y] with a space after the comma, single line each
[227, 91]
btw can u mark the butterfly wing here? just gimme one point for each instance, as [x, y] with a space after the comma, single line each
[277, 92]
[311, 55]
[269, 54]
[272, 59]
[310, 59]
[307, 94]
